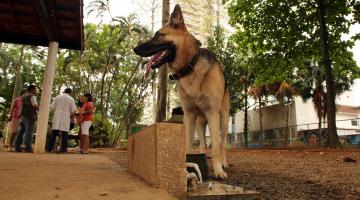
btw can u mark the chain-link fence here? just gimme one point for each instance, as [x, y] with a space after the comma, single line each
[300, 135]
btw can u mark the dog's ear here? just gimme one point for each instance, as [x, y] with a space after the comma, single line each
[176, 18]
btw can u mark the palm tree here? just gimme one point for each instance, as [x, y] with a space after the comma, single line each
[283, 92]
[100, 7]
[310, 85]
[258, 92]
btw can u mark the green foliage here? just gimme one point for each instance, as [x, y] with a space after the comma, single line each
[31, 74]
[102, 131]
[284, 35]
[235, 66]
[109, 70]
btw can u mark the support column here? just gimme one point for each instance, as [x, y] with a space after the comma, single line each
[43, 116]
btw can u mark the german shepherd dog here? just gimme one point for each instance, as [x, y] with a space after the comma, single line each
[200, 81]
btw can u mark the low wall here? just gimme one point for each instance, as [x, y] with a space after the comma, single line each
[157, 155]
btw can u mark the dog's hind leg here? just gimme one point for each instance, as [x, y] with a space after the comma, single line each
[224, 126]
[200, 130]
[213, 118]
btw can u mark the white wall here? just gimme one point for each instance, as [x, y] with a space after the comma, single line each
[302, 114]
[352, 97]
[273, 117]
[306, 116]
[345, 127]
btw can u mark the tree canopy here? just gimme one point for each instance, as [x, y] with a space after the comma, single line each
[282, 37]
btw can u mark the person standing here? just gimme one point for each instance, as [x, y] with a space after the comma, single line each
[14, 119]
[86, 114]
[28, 116]
[64, 108]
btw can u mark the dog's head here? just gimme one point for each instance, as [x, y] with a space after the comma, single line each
[167, 41]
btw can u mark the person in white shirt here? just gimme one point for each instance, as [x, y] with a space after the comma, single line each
[64, 108]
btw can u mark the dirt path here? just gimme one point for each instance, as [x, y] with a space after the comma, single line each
[303, 174]
[278, 174]
[70, 176]
[297, 174]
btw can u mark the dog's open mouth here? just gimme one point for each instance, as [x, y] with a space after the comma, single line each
[159, 58]
[160, 54]
[156, 60]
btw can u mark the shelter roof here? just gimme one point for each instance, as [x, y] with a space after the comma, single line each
[36, 22]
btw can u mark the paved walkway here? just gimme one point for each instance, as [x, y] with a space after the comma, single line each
[70, 176]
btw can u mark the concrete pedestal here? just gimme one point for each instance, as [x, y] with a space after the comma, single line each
[157, 155]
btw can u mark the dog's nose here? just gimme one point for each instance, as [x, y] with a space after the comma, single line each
[136, 50]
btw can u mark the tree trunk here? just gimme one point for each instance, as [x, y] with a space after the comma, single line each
[286, 136]
[333, 139]
[319, 127]
[153, 10]
[17, 74]
[246, 124]
[102, 92]
[261, 124]
[103, 77]
[162, 87]
[153, 88]
[110, 84]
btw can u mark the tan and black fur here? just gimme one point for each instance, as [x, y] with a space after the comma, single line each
[203, 95]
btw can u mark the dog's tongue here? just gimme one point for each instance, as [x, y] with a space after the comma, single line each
[152, 60]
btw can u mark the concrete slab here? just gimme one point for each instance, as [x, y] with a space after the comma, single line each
[70, 177]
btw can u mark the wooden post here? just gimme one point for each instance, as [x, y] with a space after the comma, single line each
[43, 116]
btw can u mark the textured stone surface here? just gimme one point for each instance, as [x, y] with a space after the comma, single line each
[142, 155]
[157, 155]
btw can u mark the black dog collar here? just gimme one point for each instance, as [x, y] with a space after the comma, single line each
[185, 70]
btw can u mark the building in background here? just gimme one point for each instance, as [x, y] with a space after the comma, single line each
[201, 17]
[302, 123]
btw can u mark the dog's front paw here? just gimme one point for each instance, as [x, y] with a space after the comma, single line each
[224, 163]
[219, 172]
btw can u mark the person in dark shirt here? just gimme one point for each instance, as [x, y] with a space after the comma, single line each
[28, 116]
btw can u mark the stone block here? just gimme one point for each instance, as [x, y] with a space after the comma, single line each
[157, 155]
